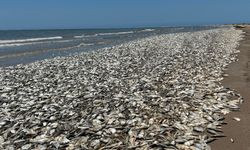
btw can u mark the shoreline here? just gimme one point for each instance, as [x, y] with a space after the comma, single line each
[33, 47]
[238, 132]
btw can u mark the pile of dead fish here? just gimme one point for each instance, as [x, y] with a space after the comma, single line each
[160, 92]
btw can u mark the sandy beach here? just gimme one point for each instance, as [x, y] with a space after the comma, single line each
[238, 132]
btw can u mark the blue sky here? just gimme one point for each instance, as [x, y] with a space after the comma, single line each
[43, 14]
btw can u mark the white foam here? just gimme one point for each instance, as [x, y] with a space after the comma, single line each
[102, 34]
[79, 36]
[147, 30]
[116, 33]
[15, 44]
[32, 43]
[29, 40]
[83, 36]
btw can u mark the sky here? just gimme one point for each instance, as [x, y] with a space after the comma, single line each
[62, 14]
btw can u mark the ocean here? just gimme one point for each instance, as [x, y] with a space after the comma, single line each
[26, 46]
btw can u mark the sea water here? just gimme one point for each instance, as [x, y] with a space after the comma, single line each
[26, 46]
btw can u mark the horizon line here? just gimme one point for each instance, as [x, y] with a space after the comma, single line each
[139, 26]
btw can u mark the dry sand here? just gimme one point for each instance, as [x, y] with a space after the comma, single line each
[238, 132]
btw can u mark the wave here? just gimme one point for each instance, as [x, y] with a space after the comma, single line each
[15, 44]
[29, 40]
[102, 34]
[116, 33]
[85, 44]
[147, 30]
[83, 36]
[79, 36]
[32, 43]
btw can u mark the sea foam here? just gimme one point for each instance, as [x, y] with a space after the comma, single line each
[29, 40]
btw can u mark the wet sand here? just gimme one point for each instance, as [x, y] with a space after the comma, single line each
[238, 132]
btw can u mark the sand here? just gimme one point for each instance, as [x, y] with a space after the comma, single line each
[238, 132]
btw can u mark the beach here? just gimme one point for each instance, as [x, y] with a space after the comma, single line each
[160, 92]
[238, 132]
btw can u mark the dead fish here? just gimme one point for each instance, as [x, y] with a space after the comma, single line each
[236, 118]
[199, 129]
